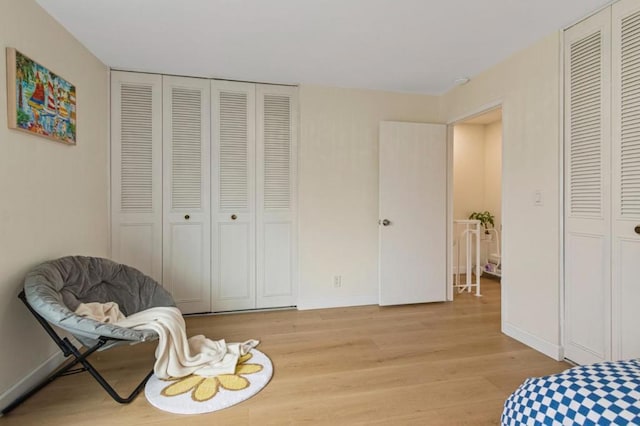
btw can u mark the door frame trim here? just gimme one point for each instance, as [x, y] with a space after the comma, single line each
[450, 125]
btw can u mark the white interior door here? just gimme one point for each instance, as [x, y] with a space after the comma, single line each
[587, 202]
[233, 186]
[136, 171]
[626, 179]
[187, 224]
[276, 239]
[413, 213]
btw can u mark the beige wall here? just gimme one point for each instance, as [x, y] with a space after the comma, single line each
[477, 170]
[468, 169]
[493, 170]
[528, 84]
[54, 196]
[338, 189]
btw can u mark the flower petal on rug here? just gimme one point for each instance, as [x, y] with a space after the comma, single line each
[233, 382]
[182, 385]
[248, 368]
[206, 390]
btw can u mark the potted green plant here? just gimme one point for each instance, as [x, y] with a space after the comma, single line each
[485, 218]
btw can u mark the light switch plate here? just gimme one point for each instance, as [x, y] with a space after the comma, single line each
[537, 198]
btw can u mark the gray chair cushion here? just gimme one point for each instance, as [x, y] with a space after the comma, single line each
[56, 288]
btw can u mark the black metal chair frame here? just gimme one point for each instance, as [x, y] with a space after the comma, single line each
[69, 349]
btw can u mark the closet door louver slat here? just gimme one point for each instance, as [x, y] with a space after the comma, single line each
[277, 151]
[630, 116]
[233, 161]
[186, 136]
[585, 183]
[136, 167]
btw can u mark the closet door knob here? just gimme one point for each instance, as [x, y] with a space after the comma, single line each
[386, 222]
[187, 217]
[234, 217]
[637, 229]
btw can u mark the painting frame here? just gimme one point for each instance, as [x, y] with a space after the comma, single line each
[39, 101]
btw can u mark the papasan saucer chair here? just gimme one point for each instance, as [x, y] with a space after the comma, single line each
[53, 291]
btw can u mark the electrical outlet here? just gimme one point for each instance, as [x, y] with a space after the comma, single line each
[337, 281]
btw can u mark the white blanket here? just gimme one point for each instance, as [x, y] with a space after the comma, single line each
[177, 356]
[103, 312]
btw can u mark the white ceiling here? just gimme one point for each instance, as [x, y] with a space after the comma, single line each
[417, 46]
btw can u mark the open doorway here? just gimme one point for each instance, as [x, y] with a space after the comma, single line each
[477, 195]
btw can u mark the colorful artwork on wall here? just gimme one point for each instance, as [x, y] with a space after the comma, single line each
[39, 101]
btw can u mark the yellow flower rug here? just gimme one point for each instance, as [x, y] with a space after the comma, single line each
[195, 394]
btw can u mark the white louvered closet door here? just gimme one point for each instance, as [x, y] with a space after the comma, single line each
[587, 204]
[136, 171]
[626, 178]
[233, 196]
[186, 175]
[276, 145]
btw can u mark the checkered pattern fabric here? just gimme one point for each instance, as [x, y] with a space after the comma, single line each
[606, 393]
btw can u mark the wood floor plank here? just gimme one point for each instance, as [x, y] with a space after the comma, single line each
[429, 364]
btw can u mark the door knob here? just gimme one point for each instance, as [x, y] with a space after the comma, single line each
[234, 217]
[386, 222]
[186, 217]
[637, 229]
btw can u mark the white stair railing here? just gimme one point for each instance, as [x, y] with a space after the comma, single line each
[470, 235]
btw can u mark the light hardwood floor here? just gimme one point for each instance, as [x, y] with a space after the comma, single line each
[433, 364]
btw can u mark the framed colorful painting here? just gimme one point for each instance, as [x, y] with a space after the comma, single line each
[38, 100]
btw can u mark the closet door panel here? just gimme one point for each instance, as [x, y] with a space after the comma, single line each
[626, 178]
[235, 261]
[587, 203]
[627, 295]
[186, 264]
[136, 171]
[187, 215]
[277, 275]
[276, 153]
[136, 243]
[233, 186]
[586, 270]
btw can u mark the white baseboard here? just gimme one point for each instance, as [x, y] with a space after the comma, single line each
[32, 379]
[549, 349]
[334, 302]
[36, 376]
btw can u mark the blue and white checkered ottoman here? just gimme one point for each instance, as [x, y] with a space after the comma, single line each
[607, 393]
